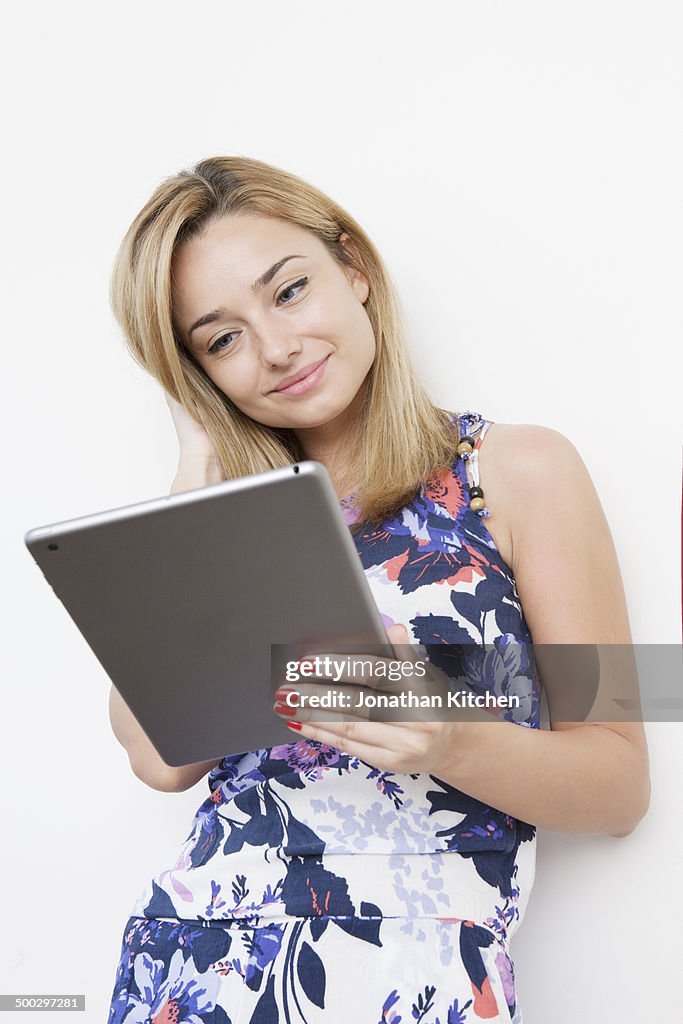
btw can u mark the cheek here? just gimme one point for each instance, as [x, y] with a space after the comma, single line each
[318, 318]
[371, 343]
[335, 317]
[235, 378]
[352, 328]
[364, 338]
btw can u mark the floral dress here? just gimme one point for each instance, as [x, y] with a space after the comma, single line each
[315, 887]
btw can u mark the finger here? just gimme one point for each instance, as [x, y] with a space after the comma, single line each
[316, 716]
[310, 701]
[376, 736]
[387, 675]
[383, 759]
[306, 714]
[359, 669]
[394, 680]
[398, 634]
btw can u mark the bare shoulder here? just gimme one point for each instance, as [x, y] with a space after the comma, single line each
[522, 465]
[526, 470]
[525, 453]
[547, 517]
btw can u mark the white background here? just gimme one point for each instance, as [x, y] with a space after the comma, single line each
[519, 165]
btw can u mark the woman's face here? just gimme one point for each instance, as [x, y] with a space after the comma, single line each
[277, 323]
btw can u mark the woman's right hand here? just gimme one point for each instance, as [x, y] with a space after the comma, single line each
[198, 465]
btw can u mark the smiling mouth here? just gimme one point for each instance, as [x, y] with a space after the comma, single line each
[300, 382]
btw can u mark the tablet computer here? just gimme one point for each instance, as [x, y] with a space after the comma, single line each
[181, 599]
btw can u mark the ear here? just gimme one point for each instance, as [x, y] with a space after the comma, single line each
[357, 278]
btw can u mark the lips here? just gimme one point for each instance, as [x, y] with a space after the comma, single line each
[301, 374]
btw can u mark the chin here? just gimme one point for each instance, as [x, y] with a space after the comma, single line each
[316, 413]
[313, 420]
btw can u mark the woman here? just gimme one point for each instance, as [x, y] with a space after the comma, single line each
[366, 871]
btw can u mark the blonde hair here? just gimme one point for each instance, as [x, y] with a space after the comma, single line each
[403, 438]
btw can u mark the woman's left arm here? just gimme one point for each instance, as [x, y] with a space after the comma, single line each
[549, 527]
[546, 517]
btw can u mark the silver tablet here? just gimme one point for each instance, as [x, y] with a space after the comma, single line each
[181, 599]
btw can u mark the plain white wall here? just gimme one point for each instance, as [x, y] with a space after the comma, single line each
[519, 166]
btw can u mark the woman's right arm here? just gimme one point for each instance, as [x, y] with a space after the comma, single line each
[144, 759]
[197, 467]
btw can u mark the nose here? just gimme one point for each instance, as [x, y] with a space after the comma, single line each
[278, 344]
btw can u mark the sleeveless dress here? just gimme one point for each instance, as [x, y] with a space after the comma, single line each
[314, 887]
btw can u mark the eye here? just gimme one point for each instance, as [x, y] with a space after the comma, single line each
[224, 342]
[292, 290]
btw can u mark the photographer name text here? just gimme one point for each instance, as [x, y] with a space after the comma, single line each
[376, 672]
[454, 699]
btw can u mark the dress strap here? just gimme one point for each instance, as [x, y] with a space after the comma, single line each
[472, 428]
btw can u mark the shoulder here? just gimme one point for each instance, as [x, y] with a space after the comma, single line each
[534, 481]
[547, 515]
[531, 462]
[530, 450]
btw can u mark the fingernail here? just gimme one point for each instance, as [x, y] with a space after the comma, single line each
[284, 709]
[293, 725]
[282, 691]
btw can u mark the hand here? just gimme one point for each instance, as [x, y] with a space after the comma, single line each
[198, 464]
[397, 746]
[193, 439]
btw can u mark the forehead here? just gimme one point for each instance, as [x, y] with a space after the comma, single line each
[244, 246]
[219, 266]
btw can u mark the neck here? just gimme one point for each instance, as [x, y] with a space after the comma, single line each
[336, 445]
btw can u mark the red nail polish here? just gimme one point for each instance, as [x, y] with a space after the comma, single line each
[282, 691]
[293, 725]
[284, 709]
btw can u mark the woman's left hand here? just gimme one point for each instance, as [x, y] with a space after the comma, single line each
[394, 746]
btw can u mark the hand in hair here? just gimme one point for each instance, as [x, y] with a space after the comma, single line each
[197, 462]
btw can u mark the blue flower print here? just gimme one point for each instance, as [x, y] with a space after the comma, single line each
[174, 992]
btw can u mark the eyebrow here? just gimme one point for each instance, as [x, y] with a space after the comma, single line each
[259, 283]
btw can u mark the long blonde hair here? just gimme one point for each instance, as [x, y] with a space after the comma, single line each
[403, 437]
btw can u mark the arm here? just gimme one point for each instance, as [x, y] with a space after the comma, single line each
[197, 467]
[579, 777]
[548, 524]
[146, 763]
